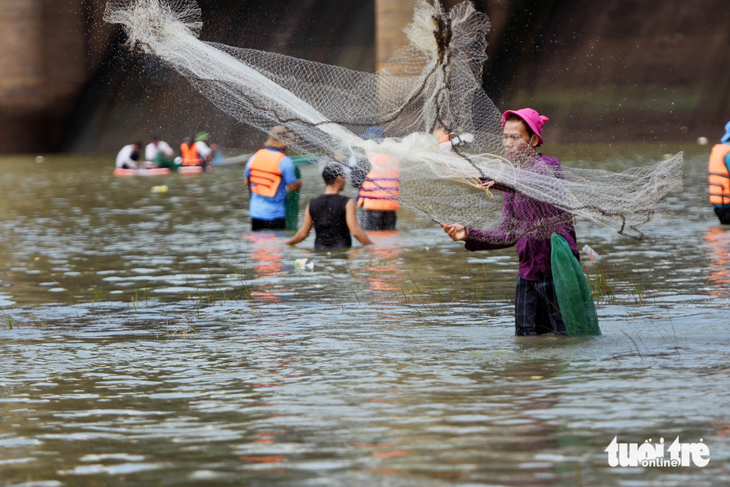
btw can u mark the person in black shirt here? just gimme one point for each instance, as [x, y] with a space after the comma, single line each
[333, 216]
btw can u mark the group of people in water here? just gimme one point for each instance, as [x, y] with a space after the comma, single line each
[159, 154]
[269, 174]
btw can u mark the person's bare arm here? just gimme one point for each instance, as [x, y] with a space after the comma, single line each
[295, 185]
[457, 231]
[304, 231]
[353, 226]
[478, 239]
[246, 182]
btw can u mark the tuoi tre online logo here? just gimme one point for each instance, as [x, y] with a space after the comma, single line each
[650, 454]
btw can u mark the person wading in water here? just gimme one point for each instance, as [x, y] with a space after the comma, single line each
[536, 304]
[269, 174]
[719, 180]
[332, 215]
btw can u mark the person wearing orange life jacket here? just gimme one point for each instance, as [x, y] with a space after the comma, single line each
[447, 140]
[444, 139]
[189, 153]
[442, 134]
[379, 192]
[719, 180]
[269, 174]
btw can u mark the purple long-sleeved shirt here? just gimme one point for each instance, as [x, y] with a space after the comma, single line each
[520, 215]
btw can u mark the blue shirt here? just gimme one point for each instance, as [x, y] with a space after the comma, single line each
[274, 208]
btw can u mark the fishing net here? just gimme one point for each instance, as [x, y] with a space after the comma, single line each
[432, 85]
[572, 289]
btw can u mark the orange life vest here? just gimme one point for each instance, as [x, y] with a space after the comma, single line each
[265, 175]
[380, 190]
[190, 156]
[443, 135]
[719, 177]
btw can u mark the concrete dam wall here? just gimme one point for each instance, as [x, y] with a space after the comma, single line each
[48, 52]
[620, 70]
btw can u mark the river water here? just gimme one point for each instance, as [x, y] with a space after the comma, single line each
[148, 339]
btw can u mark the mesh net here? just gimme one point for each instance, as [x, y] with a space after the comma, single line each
[575, 300]
[431, 85]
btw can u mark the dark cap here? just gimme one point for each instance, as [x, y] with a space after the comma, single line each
[332, 171]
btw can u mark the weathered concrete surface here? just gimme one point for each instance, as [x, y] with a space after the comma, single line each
[603, 71]
[391, 16]
[45, 63]
[134, 95]
[618, 70]
[622, 70]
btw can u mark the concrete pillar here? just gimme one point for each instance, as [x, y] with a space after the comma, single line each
[64, 51]
[42, 70]
[21, 63]
[391, 17]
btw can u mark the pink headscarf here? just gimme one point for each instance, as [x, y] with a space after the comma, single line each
[533, 120]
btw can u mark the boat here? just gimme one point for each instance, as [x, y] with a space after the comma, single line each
[153, 171]
[187, 170]
[234, 161]
[157, 171]
[242, 159]
[305, 159]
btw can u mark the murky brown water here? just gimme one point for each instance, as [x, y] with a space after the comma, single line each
[155, 342]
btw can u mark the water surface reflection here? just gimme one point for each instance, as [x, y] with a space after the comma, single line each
[154, 341]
